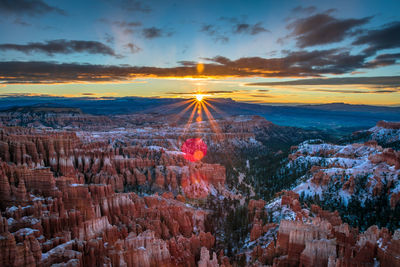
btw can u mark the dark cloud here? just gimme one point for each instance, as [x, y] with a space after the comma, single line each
[257, 28]
[152, 32]
[127, 27]
[221, 92]
[109, 38]
[231, 25]
[383, 60]
[386, 91]
[300, 63]
[215, 33]
[19, 21]
[127, 24]
[246, 28]
[61, 47]
[187, 63]
[135, 6]
[308, 10]
[28, 7]
[240, 26]
[209, 29]
[261, 95]
[386, 81]
[294, 64]
[221, 39]
[386, 38]
[88, 94]
[133, 48]
[322, 28]
[122, 23]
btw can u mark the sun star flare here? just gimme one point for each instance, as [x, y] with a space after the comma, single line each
[199, 97]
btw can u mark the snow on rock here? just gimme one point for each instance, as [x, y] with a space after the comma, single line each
[339, 167]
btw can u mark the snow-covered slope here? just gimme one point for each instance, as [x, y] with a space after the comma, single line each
[340, 168]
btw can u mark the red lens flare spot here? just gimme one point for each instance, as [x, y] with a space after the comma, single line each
[194, 149]
[198, 155]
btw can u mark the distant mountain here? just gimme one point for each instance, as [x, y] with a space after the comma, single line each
[340, 117]
[44, 108]
[348, 107]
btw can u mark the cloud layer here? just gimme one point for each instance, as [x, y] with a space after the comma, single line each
[380, 80]
[61, 46]
[320, 29]
[294, 64]
[366, 85]
[232, 26]
[387, 37]
[28, 7]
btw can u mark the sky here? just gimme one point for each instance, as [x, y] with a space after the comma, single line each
[284, 51]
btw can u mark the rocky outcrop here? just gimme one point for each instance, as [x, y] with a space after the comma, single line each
[320, 238]
[389, 255]
[62, 202]
[64, 154]
[66, 196]
[138, 231]
[50, 220]
[205, 260]
[318, 253]
[388, 156]
[343, 171]
[388, 125]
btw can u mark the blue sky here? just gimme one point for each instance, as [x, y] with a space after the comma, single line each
[163, 34]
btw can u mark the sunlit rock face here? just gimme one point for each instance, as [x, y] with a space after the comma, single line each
[64, 154]
[73, 219]
[62, 202]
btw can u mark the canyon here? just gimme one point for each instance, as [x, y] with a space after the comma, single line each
[89, 190]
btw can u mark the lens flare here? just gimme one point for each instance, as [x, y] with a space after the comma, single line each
[194, 149]
[200, 67]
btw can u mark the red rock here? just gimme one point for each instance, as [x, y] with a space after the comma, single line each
[394, 199]
[256, 205]
[181, 198]
[320, 178]
[256, 231]
[317, 252]
[205, 260]
[388, 125]
[388, 155]
[349, 185]
[389, 252]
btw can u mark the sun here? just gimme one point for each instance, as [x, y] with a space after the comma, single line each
[199, 97]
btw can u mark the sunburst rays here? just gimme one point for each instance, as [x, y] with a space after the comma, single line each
[200, 112]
